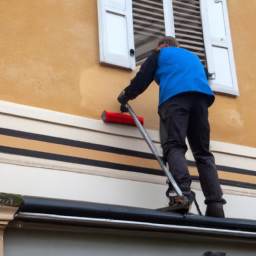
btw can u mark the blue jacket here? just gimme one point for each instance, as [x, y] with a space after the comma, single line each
[175, 70]
[178, 71]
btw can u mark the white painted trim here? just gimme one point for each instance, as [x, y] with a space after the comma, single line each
[229, 190]
[38, 114]
[73, 121]
[168, 18]
[223, 89]
[79, 168]
[232, 149]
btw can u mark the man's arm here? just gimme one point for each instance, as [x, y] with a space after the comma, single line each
[142, 79]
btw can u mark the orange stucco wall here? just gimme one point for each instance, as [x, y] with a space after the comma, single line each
[49, 59]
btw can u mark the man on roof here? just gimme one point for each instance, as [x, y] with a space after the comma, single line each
[184, 98]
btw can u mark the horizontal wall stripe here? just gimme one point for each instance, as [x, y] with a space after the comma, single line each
[235, 170]
[52, 148]
[74, 143]
[228, 169]
[102, 164]
[77, 160]
[114, 150]
[237, 177]
[231, 183]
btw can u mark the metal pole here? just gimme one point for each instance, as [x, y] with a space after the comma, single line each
[154, 151]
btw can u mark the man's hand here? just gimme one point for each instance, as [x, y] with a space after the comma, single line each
[124, 109]
[122, 98]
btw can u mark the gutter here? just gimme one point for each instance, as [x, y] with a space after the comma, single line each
[136, 225]
[85, 214]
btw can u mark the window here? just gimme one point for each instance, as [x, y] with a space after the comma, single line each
[129, 31]
[149, 26]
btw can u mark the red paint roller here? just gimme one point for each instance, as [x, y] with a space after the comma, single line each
[107, 116]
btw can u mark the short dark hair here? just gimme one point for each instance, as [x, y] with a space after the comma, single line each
[169, 40]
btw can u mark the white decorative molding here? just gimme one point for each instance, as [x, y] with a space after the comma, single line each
[62, 119]
[71, 120]
[79, 168]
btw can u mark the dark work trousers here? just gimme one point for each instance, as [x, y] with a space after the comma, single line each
[186, 115]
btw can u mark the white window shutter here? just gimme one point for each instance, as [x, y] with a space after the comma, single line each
[218, 46]
[116, 37]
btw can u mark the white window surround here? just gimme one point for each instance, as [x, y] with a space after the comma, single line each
[217, 39]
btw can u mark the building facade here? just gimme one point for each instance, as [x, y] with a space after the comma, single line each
[63, 62]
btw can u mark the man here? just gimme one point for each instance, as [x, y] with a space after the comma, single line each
[184, 98]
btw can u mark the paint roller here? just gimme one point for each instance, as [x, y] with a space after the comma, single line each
[120, 118]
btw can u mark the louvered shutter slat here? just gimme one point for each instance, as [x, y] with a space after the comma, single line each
[144, 28]
[189, 40]
[194, 16]
[189, 31]
[150, 2]
[185, 9]
[190, 36]
[149, 34]
[183, 19]
[135, 4]
[148, 12]
[179, 24]
[185, 4]
[140, 22]
[146, 17]
[187, 46]
[190, 2]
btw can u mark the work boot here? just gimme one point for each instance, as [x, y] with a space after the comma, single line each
[176, 205]
[215, 209]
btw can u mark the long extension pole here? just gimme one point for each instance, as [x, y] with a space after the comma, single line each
[159, 159]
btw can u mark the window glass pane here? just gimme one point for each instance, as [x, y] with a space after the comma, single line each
[148, 24]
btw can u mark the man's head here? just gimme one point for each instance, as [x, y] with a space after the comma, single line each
[167, 41]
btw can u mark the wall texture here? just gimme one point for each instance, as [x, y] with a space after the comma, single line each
[49, 59]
